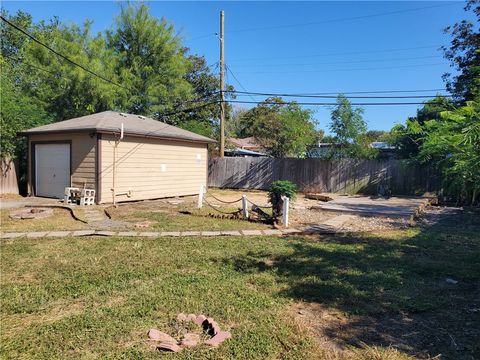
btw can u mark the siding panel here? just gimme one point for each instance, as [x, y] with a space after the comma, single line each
[152, 168]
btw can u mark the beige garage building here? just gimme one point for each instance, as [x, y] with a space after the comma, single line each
[148, 159]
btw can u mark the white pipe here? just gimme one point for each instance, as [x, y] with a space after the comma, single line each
[115, 163]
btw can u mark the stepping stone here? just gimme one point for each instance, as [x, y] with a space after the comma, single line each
[149, 234]
[252, 232]
[58, 233]
[105, 233]
[83, 233]
[12, 235]
[320, 229]
[37, 234]
[329, 226]
[291, 231]
[190, 233]
[272, 232]
[230, 233]
[210, 233]
[127, 233]
[170, 233]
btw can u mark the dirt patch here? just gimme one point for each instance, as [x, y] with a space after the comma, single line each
[31, 213]
[422, 335]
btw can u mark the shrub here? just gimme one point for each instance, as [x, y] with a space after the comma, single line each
[278, 189]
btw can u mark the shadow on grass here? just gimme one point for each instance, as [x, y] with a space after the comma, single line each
[391, 290]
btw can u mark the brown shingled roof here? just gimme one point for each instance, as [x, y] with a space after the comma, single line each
[110, 122]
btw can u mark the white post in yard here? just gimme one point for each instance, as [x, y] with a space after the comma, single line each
[245, 206]
[200, 196]
[286, 202]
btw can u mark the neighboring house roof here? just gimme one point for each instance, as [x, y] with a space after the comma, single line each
[111, 121]
[381, 145]
[243, 152]
[245, 143]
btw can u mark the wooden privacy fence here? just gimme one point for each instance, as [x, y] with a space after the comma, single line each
[8, 173]
[348, 176]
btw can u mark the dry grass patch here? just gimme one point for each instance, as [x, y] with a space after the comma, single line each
[60, 220]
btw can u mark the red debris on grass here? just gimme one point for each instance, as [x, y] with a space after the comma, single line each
[157, 335]
[169, 346]
[190, 339]
[220, 337]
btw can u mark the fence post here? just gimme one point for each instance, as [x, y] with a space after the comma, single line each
[286, 202]
[245, 206]
[200, 197]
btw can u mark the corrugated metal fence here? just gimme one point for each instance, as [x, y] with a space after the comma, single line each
[314, 175]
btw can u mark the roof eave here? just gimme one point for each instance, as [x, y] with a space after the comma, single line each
[108, 131]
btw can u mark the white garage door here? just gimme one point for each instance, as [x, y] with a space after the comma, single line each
[52, 169]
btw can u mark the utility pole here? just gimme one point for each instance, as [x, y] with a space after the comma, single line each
[222, 85]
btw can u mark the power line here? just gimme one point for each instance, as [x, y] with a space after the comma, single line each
[332, 104]
[340, 19]
[335, 96]
[61, 55]
[346, 62]
[339, 70]
[239, 83]
[375, 92]
[339, 54]
[201, 37]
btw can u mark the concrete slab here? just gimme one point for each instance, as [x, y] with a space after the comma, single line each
[105, 233]
[374, 206]
[210, 233]
[252, 232]
[291, 231]
[83, 233]
[272, 232]
[37, 234]
[170, 233]
[230, 233]
[12, 235]
[149, 234]
[190, 233]
[58, 233]
[127, 233]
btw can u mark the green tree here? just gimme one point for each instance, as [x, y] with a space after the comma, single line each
[203, 112]
[17, 112]
[283, 129]
[347, 123]
[349, 129]
[59, 87]
[151, 62]
[408, 138]
[453, 146]
[464, 55]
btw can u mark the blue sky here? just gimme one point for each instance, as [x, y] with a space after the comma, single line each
[304, 47]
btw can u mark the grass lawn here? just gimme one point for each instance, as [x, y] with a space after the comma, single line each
[97, 297]
[184, 217]
[60, 220]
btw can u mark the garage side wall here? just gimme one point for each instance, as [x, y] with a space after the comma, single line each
[151, 168]
[82, 157]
